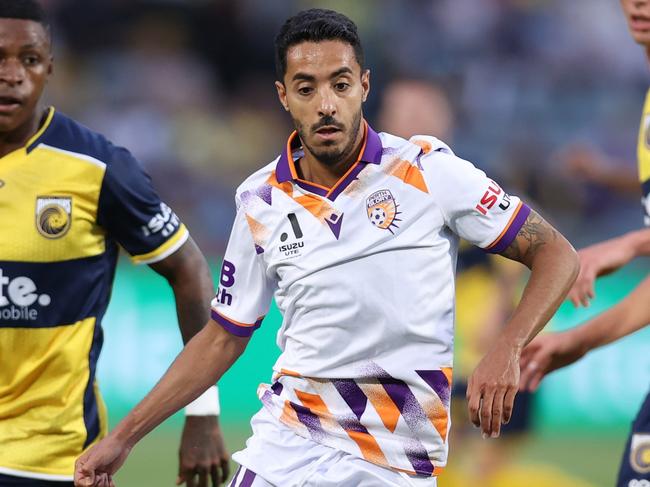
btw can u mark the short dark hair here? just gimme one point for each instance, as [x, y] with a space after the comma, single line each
[24, 10]
[315, 25]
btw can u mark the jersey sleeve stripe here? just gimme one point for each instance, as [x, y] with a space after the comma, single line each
[235, 327]
[509, 233]
[165, 250]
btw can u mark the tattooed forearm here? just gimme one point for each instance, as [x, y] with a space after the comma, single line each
[532, 236]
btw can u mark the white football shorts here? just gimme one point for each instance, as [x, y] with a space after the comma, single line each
[275, 456]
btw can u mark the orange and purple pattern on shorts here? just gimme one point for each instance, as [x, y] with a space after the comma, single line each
[399, 423]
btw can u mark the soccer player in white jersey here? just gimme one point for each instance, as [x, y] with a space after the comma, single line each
[355, 234]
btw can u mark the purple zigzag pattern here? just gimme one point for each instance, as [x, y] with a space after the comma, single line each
[310, 420]
[411, 411]
[277, 388]
[352, 394]
[437, 380]
[414, 417]
[263, 192]
[266, 399]
[389, 151]
[350, 424]
[418, 457]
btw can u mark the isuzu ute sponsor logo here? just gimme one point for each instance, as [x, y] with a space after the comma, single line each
[490, 197]
[292, 249]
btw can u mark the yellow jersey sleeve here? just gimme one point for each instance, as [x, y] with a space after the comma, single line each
[643, 156]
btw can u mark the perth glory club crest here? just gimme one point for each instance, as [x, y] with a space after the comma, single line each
[382, 210]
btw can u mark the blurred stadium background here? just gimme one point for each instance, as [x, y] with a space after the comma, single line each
[545, 95]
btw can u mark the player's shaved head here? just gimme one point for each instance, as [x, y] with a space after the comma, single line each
[315, 25]
[25, 66]
[24, 10]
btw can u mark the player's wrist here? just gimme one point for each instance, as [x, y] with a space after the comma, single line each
[127, 432]
[207, 404]
[584, 338]
[511, 345]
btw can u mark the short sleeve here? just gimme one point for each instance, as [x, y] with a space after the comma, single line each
[643, 158]
[132, 213]
[245, 292]
[474, 206]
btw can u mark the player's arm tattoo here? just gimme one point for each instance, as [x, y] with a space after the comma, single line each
[534, 234]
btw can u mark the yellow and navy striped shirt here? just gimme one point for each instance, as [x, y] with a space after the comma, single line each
[643, 156]
[68, 199]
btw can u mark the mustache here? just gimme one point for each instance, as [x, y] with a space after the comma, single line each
[327, 121]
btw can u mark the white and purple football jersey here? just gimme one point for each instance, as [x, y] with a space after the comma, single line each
[363, 274]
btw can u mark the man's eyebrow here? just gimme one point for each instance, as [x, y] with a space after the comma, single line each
[303, 76]
[339, 72]
[299, 76]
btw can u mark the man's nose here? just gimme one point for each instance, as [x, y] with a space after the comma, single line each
[327, 106]
[12, 72]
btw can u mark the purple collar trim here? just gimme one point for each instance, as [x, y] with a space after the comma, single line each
[284, 169]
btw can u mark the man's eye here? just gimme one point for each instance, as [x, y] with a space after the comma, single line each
[31, 60]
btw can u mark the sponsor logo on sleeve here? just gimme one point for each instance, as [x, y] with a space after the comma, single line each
[382, 210]
[490, 198]
[226, 281]
[645, 201]
[53, 216]
[165, 222]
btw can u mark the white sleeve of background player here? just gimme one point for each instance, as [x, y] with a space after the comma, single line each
[474, 206]
[244, 294]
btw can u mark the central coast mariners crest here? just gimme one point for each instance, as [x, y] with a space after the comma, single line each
[640, 453]
[382, 210]
[53, 216]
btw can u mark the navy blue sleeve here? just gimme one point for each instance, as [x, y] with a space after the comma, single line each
[132, 213]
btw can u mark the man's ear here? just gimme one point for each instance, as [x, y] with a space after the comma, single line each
[282, 94]
[365, 84]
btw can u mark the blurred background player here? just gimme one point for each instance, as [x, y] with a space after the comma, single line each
[68, 199]
[355, 234]
[553, 351]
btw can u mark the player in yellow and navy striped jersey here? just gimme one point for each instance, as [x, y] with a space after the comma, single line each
[553, 351]
[68, 200]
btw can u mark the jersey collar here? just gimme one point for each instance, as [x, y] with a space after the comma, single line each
[286, 170]
[33, 142]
